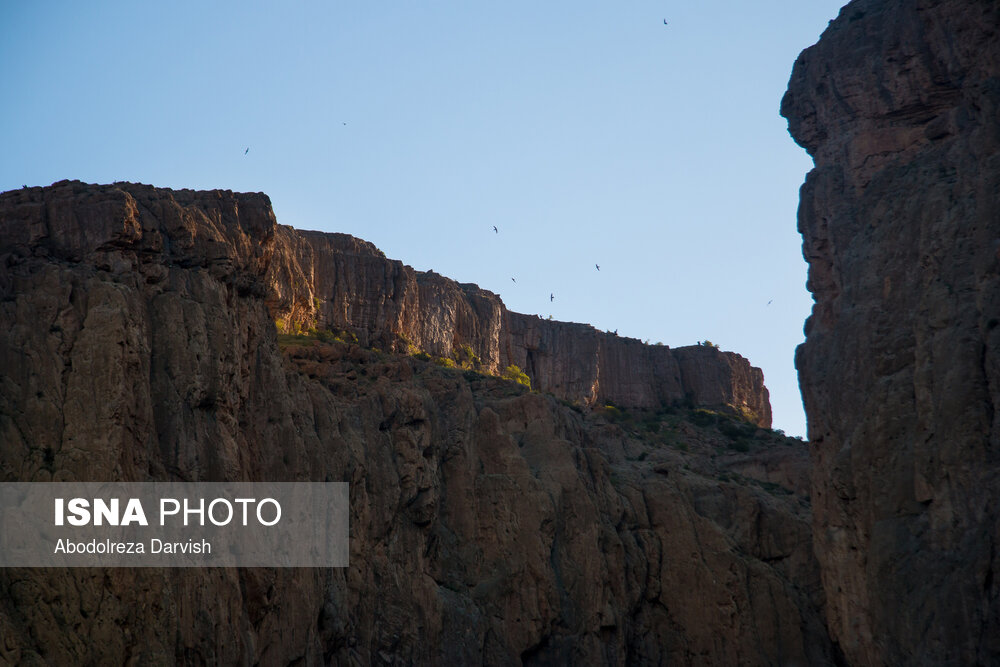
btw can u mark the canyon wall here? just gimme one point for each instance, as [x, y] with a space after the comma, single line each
[338, 282]
[899, 106]
[488, 524]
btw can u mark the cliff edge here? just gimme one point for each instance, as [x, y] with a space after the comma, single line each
[338, 282]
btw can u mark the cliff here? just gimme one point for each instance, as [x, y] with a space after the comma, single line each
[489, 524]
[898, 104]
[338, 282]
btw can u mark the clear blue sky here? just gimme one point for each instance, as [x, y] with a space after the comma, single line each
[587, 132]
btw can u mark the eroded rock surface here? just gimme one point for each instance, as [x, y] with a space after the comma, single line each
[336, 281]
[488, 524]
[899, 105]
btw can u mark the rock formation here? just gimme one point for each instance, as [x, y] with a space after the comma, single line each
[489, 524]
[339, 282]
[899, 105]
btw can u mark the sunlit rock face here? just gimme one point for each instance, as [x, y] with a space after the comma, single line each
[489, 524]
[339, 282]
[899, 105]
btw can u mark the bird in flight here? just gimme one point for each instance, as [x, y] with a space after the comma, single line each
[512, 280]
[769, 302]
[664, 21]
[597, 266]
[552, 297]
[495, 229]
[247, 150]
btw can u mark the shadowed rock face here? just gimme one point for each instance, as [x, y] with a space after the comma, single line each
[488, 524]
[899, 105]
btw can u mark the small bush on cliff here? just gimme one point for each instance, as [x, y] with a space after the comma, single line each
[571, 405]
[736, 429]
[739, 446]
[744, 413]
[515, 374]
[446, 363]
[466, 358]
[288, 327]
[612, 413]
[702, 417]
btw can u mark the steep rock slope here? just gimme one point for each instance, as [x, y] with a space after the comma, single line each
[488, 524]
[336, 281]
[899, 104]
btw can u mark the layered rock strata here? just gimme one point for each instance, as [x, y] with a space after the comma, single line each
[488, 524]
[899, 105]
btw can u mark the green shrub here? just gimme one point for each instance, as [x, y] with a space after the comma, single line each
[571, 405]
[466, 358]
[702, 417]
[744, 413]
[736, 429]
[615, 414]
[515, 374]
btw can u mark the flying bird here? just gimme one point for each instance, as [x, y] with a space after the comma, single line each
[552, 297]
[769, 302]
[664, 21]
[495, 229]
[512, 280]
[247, 150]
[597, 266]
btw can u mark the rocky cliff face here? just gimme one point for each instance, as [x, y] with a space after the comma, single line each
[338, 282]
[899, 104]
[488, 524]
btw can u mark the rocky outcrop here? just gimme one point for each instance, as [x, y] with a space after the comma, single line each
[898, 104]
[488, 524]
[336, 281]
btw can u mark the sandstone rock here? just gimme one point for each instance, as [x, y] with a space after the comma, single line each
[898, 105]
